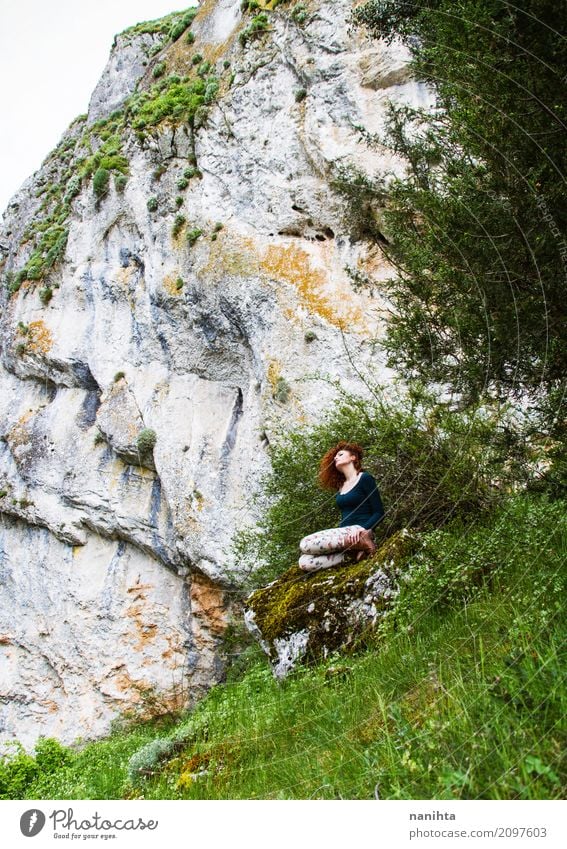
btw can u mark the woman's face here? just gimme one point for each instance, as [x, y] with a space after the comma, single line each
[343, 458]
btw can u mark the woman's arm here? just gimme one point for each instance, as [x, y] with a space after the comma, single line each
[373, 501]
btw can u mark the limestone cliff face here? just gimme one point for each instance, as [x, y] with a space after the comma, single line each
[180, 264]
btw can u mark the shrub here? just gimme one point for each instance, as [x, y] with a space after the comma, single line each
[118, 376]
[190, 37]
[189, 172]
[159, 70]
[257, 26]
[178, 224]
[179, 283]
[282, 390]
[120, 182]
[193, 235]
[204, 68]
[431, 463]
[453, 564]
[152, 204]
[310, 336]
[182, 183]
[100, 182]
[178, 202]
[45, 294]
[17, 771]
[196, 59]
[300, 94]
[146, 440]
[299, 14]
[218, 226]
[50, 755]
[73, 188]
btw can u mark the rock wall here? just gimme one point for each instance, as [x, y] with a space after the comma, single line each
[201, 288]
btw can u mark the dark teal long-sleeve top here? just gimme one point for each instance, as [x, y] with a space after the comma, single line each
[362, 504]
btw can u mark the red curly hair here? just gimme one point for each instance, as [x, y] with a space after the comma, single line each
[329, 475]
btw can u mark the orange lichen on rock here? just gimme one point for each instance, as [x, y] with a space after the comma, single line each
[208, 604]
[274, 373]
[292, 264]
[40, 338]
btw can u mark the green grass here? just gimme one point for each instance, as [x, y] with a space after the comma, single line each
[466, 701]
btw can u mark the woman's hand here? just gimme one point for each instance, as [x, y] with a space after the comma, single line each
[353, 536]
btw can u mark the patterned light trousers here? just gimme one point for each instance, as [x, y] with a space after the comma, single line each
[325, 548]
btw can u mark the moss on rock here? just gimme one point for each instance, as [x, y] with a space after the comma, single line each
[330, 607]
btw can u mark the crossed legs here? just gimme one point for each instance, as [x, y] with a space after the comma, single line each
[329, 547]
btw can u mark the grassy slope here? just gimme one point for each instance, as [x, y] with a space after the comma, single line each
[465, 702]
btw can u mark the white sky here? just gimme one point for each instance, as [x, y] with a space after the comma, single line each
[52, 53]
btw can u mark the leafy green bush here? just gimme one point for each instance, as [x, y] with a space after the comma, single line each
[158, 70]
[193, 235]
[179, 28]
[120, 181]
[73, 188]
[146, 440]
[101, 180]
[453, 564]
[178, 225]
[300, 94]
[152, 204]
[299, 14]
[431, 463]
[177, 101]
[479, 297]
[18, 769]
[45, 294]
[257, 27]
[282, 390]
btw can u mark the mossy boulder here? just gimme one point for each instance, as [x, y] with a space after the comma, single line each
[304, 616]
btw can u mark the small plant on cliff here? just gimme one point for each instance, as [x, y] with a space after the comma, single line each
[179, 28]
[45, 294]
[101, 180]
[120, 181]
[152, 204]
[257, 27]
[146, 440]
[282, 390]
[299, 14]
[193, 235]
[178, 225]
[159, 70]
